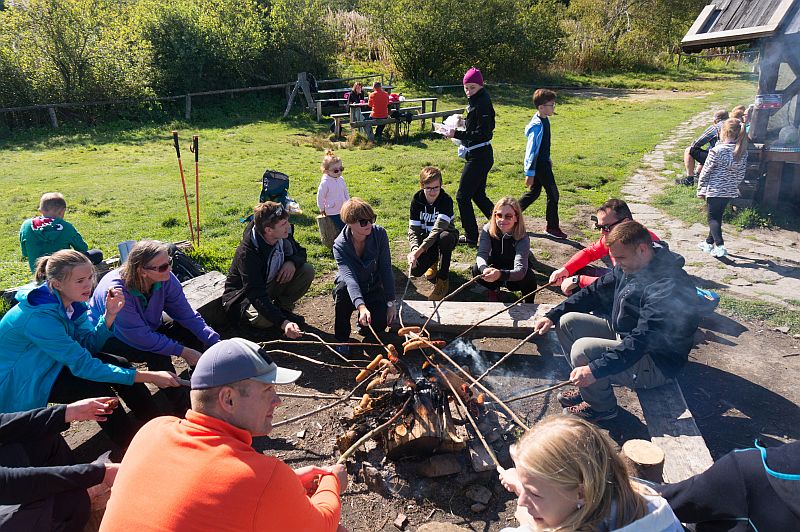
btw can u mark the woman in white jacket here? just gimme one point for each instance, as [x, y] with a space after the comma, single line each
[719, 181]
[568, 477]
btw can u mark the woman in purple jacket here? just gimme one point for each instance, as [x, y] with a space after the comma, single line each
[150, 290]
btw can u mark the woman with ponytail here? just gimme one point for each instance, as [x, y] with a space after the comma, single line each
[48, 347]
[719, 181]
[569, 477]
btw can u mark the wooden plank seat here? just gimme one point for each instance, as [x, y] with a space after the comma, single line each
[328, 102]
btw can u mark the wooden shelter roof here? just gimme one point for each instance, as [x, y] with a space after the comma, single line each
[729, 22]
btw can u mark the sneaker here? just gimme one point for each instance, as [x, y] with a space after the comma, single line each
[430, 273]
[492, 296]
[440, 290]
[705, 246]
[555, 232]
[463, 240]
[570, 398]
[719, 252]
[584, 411]
[686, 181]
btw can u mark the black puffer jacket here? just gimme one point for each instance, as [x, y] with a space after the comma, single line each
[246, 283]
[479, 124]
[653, 310]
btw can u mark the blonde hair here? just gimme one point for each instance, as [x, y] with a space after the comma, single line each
[328, 160]
[52, 201]
[59, 265]
[572, 453]
[519, 227]
[356, 209]
[142, 253]
[428, 175]
[732, 130]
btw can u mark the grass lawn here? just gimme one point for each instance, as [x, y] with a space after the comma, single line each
[121, 181]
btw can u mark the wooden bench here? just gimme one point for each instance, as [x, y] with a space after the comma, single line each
[669, 420]
[204, 294]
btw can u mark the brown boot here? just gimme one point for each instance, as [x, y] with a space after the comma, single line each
[430, 273]
[440, 290]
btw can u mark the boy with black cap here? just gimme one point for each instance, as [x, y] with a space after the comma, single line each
[201, 473]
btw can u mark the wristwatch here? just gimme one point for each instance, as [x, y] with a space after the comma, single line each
[576, 279]
[389, 304]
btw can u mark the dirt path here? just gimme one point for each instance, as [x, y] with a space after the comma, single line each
[762, 264]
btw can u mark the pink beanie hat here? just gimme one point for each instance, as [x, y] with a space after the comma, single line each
[473, 75]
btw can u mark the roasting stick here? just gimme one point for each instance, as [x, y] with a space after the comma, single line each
[316, 342]
[470, 378]
[504, 357]
[445, 298]
[374, 432]
[539, 392]
[327, 345]
[314, 396]
[505, 309]
[403, 299]
[466, 410]
[313, 361]
[320, 409]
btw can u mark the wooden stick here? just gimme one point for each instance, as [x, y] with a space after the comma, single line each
[505, 309]
[539, 392]
[376, 336]
[466, 410]
[313, 361]
[487, 391]
[502, 359]
[317, 342]
[373, 432]
[326, 345]
[445, 298]
[320, 409]
[314, 396]
[402, 299]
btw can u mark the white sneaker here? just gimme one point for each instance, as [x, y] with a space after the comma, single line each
[719, 251]
[705, 246]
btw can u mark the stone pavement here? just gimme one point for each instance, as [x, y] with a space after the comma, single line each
[762, 263]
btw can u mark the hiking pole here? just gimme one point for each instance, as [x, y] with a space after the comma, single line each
[195, 145]
[183, 181]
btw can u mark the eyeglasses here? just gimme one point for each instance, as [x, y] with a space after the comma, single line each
[364, 223]
[500, 216]
[431, 189]
[161, 268]
[607, 227]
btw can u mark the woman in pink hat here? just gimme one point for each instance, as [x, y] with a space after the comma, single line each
[477, 150]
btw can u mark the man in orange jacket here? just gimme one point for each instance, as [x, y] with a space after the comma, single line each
[201, 473]
[379, 103]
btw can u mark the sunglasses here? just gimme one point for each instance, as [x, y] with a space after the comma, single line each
[337, 170]
[277, 213]
[500, 216]
[607, 227]
[161, 268]
[364, 223]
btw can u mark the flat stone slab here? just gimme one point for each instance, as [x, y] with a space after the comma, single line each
[453, 317]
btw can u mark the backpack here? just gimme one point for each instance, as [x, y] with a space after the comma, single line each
[274, 187]
[183, 266]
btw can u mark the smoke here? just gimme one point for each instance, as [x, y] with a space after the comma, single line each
[465, 353]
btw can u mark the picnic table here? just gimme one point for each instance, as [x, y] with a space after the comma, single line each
[320, 102]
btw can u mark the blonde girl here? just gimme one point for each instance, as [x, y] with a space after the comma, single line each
[719, 181]
[568, 476]
[332, 191]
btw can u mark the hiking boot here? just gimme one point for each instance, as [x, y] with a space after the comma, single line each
[556, 232]
[492, 296]
[584, 411]
[686, 181]
[705, 246]
[464, 240]
[430, 273]
[440, 290]
[570, 398]
[719, 252]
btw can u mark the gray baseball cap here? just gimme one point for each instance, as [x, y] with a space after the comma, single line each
[235, 360]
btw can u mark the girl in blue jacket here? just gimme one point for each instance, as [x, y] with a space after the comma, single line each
[48, 345]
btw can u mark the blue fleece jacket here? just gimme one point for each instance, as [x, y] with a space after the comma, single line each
[533, 131]
[38, 340]
[370, 273]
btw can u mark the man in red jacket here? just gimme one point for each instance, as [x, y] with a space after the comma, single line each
[379, 103]
[609, 215]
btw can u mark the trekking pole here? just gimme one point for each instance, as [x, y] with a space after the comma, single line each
[183, 181]
[195, 145]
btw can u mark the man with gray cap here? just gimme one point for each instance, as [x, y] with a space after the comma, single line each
[201, 473]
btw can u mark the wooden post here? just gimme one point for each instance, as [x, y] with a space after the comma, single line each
[772, 184]
[433, 110]
[679, 61]
[53, 119]
[188, 114]
[422, 126]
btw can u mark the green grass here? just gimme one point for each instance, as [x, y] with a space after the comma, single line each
[770, 314]
[121, 180]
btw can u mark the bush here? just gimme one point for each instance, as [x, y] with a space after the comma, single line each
[437, 40]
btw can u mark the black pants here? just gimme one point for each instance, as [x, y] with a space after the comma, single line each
[375, 302]
[525, 285]
[177, 397]
[716, 208]
[444, 246]
[544, 179]
[472, 187]
[67, 511]
[118, 426]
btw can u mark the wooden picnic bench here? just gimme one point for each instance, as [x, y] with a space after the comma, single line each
[321, 102]
[419, 116]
